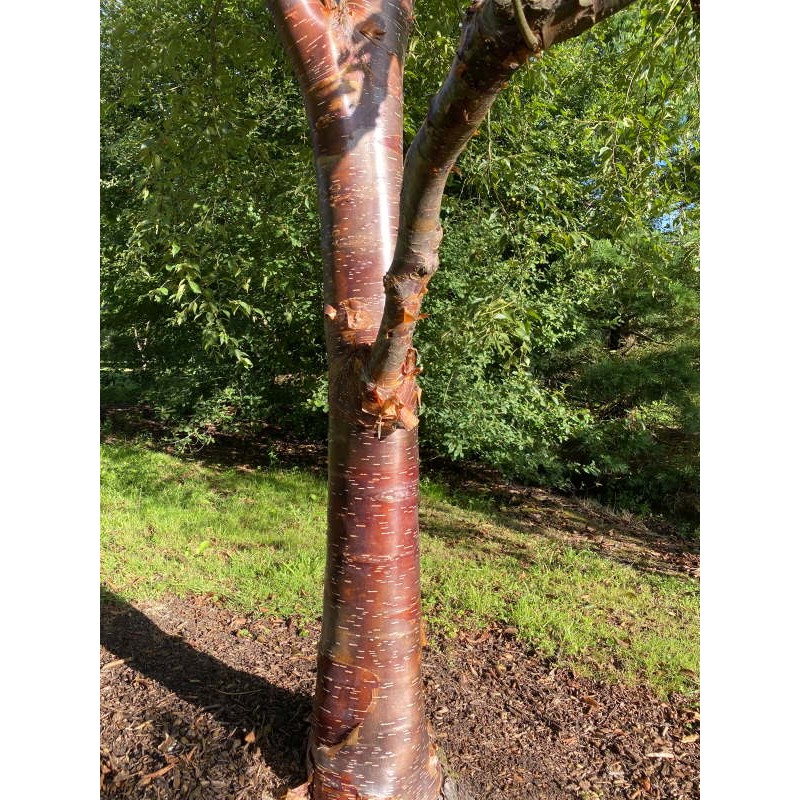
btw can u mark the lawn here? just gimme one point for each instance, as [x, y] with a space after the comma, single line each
[255, 540]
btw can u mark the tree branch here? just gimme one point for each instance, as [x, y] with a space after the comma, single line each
[495, 42]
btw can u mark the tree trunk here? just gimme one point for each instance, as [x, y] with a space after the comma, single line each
[369, 739]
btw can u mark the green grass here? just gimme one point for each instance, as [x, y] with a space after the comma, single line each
[256, 540]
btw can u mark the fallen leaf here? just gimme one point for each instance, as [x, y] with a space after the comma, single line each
[145, 779]
[659, 755]
[591, 702]
[114, 663]
[691, 738]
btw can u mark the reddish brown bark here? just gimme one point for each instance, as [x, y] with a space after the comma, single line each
[369, 739]
[369, 736]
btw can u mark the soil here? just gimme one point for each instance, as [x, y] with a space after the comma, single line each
[199, 704]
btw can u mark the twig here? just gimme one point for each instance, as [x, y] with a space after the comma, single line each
[114, 663]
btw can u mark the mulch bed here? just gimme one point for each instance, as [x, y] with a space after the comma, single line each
[198, 703]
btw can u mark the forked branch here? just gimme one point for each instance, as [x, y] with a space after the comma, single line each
[496, 40]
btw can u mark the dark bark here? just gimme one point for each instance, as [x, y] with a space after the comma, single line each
[369, 739]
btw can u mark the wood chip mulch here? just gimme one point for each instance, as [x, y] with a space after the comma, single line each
[199, 704]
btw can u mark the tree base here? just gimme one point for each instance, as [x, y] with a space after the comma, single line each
[450, 789]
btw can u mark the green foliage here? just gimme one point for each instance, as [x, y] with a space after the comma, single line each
[209, 223]
[563, 340]
[563, 343]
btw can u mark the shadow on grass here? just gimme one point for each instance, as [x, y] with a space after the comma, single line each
[609, 536]
[535, 513]
[239, 701]
[262, 445]
[146, 480]
[474, 537]
[564, 522]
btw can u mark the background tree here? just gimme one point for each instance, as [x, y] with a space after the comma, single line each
[373, 426]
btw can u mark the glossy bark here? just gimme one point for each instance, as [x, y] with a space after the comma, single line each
[369, 732]
[369, 739]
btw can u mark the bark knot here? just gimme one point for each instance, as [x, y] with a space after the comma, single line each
[395, 406]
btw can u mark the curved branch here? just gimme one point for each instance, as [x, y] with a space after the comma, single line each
[493, 46]
[530, 38]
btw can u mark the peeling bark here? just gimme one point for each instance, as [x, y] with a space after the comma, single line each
[369, 739]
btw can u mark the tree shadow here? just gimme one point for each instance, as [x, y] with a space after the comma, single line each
[564, 521]
[239, 701]
[371, 51]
